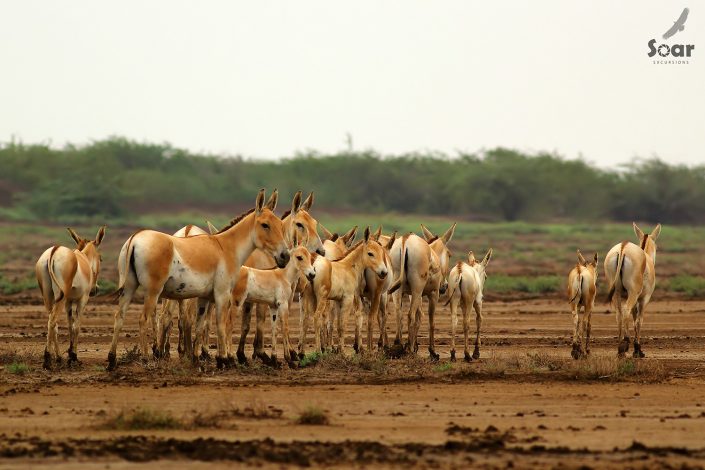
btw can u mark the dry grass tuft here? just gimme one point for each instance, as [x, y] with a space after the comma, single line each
[313, 415]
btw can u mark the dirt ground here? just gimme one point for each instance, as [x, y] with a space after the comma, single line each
[525, 403]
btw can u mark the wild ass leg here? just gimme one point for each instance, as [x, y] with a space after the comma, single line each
[276, 318]
[261, 312]
[414, 313]
[78, 314]
[638, 321]
[201, 318]
[150, 303]
[383, 341]
[187, 314]
[52, 335]
[453, 325]
[575, 311]
[205, 334]
[359, 320]
[346, 307]
[588, 330]
[289, 354]
[222, 307]
[397, 302]
[478, 325]
[306, 309]
[70, 316]
[466, 330]
[124, 302]
[244, 331]
[432, 301]
[165, 322]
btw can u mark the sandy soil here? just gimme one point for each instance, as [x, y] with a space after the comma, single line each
[387, 413]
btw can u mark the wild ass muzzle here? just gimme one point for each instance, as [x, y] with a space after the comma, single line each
[582, 286]
[205, 267]
[66, 279]
[631, 269]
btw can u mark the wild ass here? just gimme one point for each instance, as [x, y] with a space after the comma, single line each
[273, 288]
[375, 292]
[340, 280]
[582, 286]
[466, 282]
[631, 268]
[205, 267]
[296, 222]
[66, 279]
[421, 265]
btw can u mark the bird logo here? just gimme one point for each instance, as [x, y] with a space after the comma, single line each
[678, 25]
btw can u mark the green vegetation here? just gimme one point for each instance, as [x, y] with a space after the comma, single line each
[143, 419]
[18, 368]
[313, 415]
[690, 285]
[119, 178]
[15, 285]
[501, 284]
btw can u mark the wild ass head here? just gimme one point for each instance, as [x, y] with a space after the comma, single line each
[647, 241]
[373, 256]
[302, 258]
[90, 249]
[299, 221]
[481, 267]
[591, 266]
[268, 232]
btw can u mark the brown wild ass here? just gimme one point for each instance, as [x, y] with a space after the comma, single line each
[340, 280]
[275, 289]
[66, 279]
[466, 283]
[582, 286]
[296, 222]
[205, 267]
[631, 268]
[375, 292]
[421, 266]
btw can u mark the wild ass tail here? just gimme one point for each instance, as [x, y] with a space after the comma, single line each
[402, 268]
[56, 284]
[576, 288]
[616, 283]
[456, 285]
[129, 264]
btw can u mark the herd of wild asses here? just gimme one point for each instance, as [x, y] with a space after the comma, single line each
[261, 261]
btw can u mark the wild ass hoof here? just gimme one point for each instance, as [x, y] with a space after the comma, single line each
[468, 357]
[230, 362]
[73, 357]
[293, 356]
[623, 347]
[452, 355]
[274, 362]
[356, 348]
[292, 364]
[205, 355]
[638, 353]
[112, 361]
[155, 352]
[241, 358]
[262, 356]
[575, 352]
[47, 360]
[220, 362]
[435, 357]
[476, 352]
[395, 352]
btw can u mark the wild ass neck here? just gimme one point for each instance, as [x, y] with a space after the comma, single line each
[238, 241]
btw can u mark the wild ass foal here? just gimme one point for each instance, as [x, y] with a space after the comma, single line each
[341, 280]
[422, 267]
[466, 282]
[582, 286]
[66, 278]
[205, 267]
[275, 289]
[631, 268]
[375, 292]
[299, 223]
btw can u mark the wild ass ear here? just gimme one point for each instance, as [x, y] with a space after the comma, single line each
[259, 202]
[296, 202]
[75, 236]
[328, 235]
[449, 233]
[581, 260]
[471, 258]
[99, 236]
[487, 258]
[427, 234]
[367, 234]
[390, 243]
[656, 232]
[349, 237]
[308, 202]
[594, 259]
[637, 231]
[211, 227]
[272, 201]
[378, 232]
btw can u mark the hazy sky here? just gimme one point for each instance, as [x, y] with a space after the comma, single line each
[268, 78]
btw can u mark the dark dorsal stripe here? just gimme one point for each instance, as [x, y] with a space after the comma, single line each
[236, 220]
[643, 241]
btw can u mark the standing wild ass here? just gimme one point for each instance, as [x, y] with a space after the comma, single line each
[205, 267]
[340, 280]
[421, 266]
[296, 222]
[375, 292]
[466, 283]
[275, 289]
[631, 268]
[66, 279]
[582, 286]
